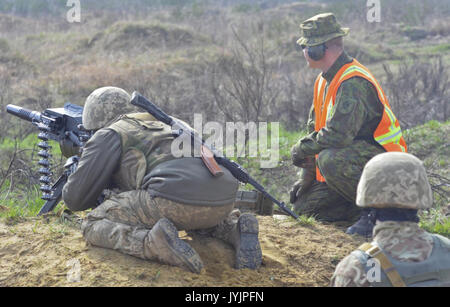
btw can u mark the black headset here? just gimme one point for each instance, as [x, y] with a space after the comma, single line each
[316, 52]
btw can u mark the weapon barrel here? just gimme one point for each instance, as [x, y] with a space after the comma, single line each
[23, 113]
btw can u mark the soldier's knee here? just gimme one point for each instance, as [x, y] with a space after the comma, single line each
[86, 229]
[326, 162]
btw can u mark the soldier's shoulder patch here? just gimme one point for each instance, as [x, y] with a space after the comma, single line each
[349, 93]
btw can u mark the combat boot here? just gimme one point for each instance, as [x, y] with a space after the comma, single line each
[163, 244]
[246, 243]
[364, 226]
[243, 236]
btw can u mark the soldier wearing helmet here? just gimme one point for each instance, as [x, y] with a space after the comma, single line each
[350, 122]
[149, 193]
[394, 186]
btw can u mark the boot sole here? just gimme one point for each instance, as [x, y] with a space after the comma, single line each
[248, 251]
[183, 251]
[356, 232]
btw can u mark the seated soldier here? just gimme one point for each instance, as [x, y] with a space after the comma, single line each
[150, 194]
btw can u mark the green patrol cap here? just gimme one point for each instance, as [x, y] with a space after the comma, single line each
[320, 29]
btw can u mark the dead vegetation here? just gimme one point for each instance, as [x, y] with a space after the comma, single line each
[228, 62]
[419, 90]
[231, 62]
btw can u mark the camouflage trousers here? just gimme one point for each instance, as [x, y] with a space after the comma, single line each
[335, 199]
[123, 220]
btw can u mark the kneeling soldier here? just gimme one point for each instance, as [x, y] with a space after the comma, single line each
[155, 194]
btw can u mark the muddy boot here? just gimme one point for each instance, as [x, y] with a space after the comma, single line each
[163, 244]
[246, 243]
[364, 226]
[241, 231]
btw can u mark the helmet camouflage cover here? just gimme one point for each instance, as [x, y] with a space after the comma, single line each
[394, 180]
[105, 104]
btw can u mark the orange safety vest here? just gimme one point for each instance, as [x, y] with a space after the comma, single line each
[388, 133]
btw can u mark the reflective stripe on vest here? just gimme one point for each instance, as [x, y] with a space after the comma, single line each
[388, 133]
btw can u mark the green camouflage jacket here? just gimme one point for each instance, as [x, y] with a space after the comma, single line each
[358, 113]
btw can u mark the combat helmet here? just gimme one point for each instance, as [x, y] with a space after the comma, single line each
[105, 104]
[394, 180]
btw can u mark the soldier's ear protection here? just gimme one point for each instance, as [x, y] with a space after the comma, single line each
[315, 52]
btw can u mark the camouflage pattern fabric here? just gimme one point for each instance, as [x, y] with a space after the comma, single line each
[105, 104]
[145, 144]
[342, 168]
[130, 220]
[325, 204]
[344, 146]
[403, 241]
[395, 180]
[94, 172]
[123, 220]
[358, 112]
[147, 163]
[319, 29]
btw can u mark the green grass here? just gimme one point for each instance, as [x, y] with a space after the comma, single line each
[28, 142]
[429, 143]
[435, 221]
[19, 205]
[19, 200]
[437, 49]
[306, 220]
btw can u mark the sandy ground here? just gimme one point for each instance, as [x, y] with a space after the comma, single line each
[48, 252]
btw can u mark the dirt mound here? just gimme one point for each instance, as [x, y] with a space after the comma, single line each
[37, 252]
[126, 36]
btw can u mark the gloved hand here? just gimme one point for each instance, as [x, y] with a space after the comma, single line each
[306, 180]
[71, 164]
[294, 190]
[297, 156]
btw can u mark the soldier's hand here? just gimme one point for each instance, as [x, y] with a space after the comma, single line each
[303, 185]
[71, 164]
[297, 158]
[309, 163]
[294, 190]
[299, 188]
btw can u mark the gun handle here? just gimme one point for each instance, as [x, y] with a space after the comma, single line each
[57, 195]
[210, 162]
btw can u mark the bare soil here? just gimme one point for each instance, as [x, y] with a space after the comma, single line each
[42, 252]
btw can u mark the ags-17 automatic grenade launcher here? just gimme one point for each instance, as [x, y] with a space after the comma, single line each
[63, 125]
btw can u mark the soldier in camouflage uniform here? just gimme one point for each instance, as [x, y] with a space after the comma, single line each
[342, 146]
[395, 185]
[150, 194]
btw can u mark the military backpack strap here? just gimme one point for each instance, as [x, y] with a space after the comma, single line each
[375, 252]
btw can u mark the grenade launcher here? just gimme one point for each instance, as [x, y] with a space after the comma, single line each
[64, 126]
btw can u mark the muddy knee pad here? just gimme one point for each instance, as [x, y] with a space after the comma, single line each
[120, 237]
[131, 208]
